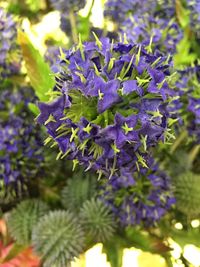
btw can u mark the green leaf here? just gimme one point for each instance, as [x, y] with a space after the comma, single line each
[83, 27]
[183, 238]
[138, 239]
[182, 14]
[114, 252]
[38, 71]
[34, 109]
[16, 249]
[183, 55]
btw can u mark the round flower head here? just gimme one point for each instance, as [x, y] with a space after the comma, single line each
[139, 197]
[160, 33]
[9, 51]
[20, 144]
[112, 105]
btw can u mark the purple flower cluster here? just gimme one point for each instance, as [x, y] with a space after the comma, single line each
[159, 33]
[139, 197]
[52, 54]
[67, 5]
[119, 10]
[194, 6]
[190, 100]
[9, 51]
[20, 143]
[112, 106]
[186, 106]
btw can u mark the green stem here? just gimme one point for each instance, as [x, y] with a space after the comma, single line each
[168, 260]
[90, 10]
[193, 153]
[72, 19]
[178, 141]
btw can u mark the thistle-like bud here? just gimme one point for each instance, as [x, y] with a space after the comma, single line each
[24, 217]
[187, 193]
[57, 238]
[80, 188]
[97, 220]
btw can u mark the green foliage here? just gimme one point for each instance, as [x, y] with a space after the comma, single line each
[183, 55]
[183, 237]
[34, 109]
[182, 14]
[23, 218]
[38, 71]
[80, 187]
[58, 238]
[97, 220]
[187, 193]
[114, 251]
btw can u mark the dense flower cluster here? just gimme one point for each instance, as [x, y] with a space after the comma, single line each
[9, 51]
[160, 33]
[139, 197]
[112, 105]
[194, 6]
[20, 144]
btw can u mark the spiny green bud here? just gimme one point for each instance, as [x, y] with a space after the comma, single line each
[57, 238]
[22, 219]
[80, 188]
[187, 193]
[97, 220]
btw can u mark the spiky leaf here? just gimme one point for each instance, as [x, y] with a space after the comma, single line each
[80, 188]
[187, 193]
[22, 219]
[58, 238]
[97, 220]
